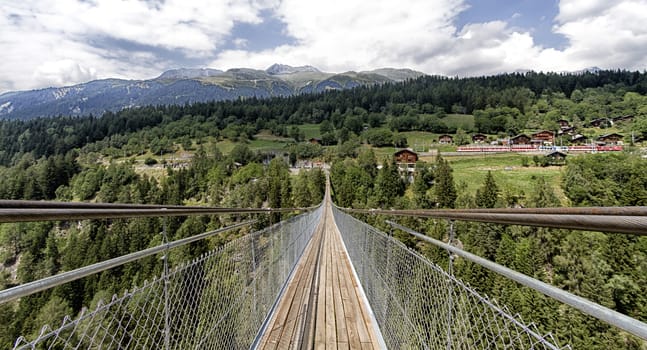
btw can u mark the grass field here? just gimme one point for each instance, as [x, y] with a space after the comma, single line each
[463, 121]
[507, 171]
[420, 141]
[382, 153]
[310, 130]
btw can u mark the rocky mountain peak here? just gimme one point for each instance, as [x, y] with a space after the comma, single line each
[189, 73]
[279, 69]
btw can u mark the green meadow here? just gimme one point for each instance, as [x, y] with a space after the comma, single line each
[508, 172]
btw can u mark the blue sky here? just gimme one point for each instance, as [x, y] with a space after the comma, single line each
[64, 42]
[534, 16]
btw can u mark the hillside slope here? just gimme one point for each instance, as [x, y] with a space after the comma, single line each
[180, 86]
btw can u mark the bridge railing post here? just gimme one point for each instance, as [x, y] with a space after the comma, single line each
[254, 273]
[167, 328]
[450, 272]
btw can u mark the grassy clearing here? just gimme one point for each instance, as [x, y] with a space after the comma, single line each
[225, 146]
[382, 153]
[267, 135]
[310, 130]
[507, 171]
[267, 145]
[420, 141]
[463, 121]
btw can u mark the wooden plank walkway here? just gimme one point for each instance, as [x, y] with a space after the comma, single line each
[322, 307]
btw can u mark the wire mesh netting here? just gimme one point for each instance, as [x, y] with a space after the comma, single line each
[219, 300]
[418, 305]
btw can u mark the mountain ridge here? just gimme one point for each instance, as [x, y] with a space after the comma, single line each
[186, 85]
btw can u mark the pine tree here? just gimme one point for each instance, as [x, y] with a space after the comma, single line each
[302, 195]
[486, 196]
[366, 161]
[388, 185]
[422, 181]
[543, 196]
[444, 187]
[279, 189]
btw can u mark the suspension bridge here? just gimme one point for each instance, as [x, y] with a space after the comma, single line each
[322, 279]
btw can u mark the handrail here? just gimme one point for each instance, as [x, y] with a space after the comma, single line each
[54, 214]
[614, 211]
[632, 220]
[68, 276]
[29, 204]
[24, 204]
[600, 312]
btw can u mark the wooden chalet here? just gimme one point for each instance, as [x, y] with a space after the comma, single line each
[569, 130]
[544, 136]
[537, 142]
[622, 118]
[563, 123]
[479, 138]
[445, 139]
[596, 123]
[579, 139]
[406, 161]
[405, 156]
[315, 141]
[521, 139]
[556, 158]
[611, 139]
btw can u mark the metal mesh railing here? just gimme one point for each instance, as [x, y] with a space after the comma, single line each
[418, 305]
[219, 300]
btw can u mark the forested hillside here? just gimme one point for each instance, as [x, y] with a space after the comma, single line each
[504, 103]
[610, 269]
[30, 251]
[102, 159]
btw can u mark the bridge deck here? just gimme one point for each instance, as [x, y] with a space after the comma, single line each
[322, 307]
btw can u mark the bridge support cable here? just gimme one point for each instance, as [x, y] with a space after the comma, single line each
[419, 305]
[217, 300]
[586, 306]
[61, 214]
[631, 220]
[69, 276]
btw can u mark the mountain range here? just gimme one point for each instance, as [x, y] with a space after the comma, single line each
[180, 86]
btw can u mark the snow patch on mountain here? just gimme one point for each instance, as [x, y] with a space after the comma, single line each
[6, 108]
[281, 69]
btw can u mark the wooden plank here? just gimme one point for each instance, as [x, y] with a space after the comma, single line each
[351, 307]
[340, 317]
[290, 322]
[281, 325]
[320, 329]
[331, 331]
[362, 322]
[322, 307]
[278, 323]
[298, 335]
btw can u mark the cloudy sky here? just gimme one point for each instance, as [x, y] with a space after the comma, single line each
[62, 42]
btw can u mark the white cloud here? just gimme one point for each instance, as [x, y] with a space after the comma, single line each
[347, 34]
[63, 72]
[574, 10]
[53, 42]
[353, 34]
[40, 39]
[609, 34]
[240, 43]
